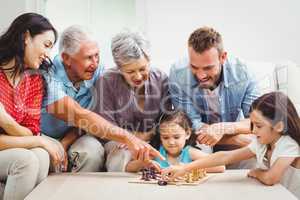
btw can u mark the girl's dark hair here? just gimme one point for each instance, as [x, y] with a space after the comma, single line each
[12, 42]
[276, 106]
[178, 117]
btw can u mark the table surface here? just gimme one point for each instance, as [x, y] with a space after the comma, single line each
[232, 184]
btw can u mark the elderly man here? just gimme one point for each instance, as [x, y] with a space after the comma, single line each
[69, 97]
[215, 91]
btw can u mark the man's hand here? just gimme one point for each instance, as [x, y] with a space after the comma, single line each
[140, 149]
[210, 134]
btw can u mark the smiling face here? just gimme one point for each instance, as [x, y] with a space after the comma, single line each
[37, 48]
[173, 138]
[136, 73]
[206, 66]
[265, 132]
[83, 64]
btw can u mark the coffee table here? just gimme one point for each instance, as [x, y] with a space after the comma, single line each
[231, 185]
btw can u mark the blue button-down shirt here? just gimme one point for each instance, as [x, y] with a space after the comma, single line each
[59, 86]
[237, 91]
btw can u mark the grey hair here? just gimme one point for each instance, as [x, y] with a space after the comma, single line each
[71, 39]
[129, 46]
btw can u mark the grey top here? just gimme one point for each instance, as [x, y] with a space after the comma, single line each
[116, 101]
[213, 102]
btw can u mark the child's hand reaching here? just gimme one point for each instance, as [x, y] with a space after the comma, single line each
[253, 173]
[174, 172]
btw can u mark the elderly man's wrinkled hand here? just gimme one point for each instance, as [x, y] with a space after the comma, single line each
[142, 150]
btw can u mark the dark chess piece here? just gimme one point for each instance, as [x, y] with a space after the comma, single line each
[162, 183]
[145, 175]
[152, 174]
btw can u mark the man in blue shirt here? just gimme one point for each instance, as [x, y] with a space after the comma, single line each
[215, 91]
[68, 101]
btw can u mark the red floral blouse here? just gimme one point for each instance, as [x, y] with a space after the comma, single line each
[24, 101]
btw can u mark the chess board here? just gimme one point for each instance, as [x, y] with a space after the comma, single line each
[149, 176]
[178, 183]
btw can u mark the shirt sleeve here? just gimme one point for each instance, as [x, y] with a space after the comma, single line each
[181, 100]
[54, 90]
[253, 146]
[287, 148]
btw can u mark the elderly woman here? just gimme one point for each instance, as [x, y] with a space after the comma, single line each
[132, 96]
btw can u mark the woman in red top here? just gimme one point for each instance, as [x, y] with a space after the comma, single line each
[24, 158]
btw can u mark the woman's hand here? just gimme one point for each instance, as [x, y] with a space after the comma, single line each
[57, 155]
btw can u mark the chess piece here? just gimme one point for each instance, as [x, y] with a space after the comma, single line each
[162, 182]
[189, 178]
[145, 175]
[195, 175]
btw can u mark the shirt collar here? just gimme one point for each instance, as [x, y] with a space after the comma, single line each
[225, 73]
[61, 73]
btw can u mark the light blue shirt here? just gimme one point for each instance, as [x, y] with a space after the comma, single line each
[59, 86]
[237, 90]
[184, 156]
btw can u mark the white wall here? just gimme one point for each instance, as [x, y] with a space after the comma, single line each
[261, 32]
[104, 18]
[9, 11]
[255, 30]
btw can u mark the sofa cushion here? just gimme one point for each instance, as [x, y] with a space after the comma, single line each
[287, 77]
[264, 72]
